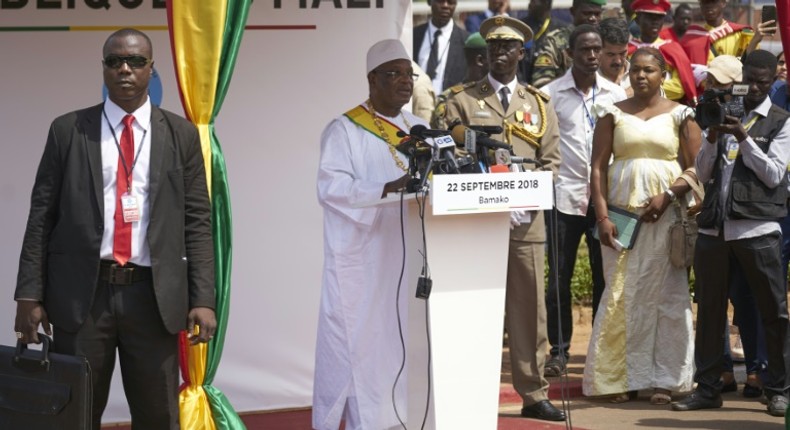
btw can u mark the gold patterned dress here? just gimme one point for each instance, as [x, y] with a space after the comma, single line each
[642, 334]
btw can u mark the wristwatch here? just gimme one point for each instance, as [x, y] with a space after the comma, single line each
[671, 194]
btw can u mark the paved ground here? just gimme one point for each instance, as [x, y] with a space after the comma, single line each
[585, 413]
[593, 414]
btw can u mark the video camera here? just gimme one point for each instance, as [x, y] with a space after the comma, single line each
[712, 107]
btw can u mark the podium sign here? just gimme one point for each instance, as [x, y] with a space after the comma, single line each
[491, 192]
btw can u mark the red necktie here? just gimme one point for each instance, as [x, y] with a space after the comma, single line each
[122, 241]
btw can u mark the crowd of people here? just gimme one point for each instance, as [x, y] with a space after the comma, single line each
[607, 103]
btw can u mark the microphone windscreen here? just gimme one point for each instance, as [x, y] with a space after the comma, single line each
[417, 130]
[499, 168]
[459, 134]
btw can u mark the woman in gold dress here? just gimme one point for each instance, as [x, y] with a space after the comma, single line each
[642, 335]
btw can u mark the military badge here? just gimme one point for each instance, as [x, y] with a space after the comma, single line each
[484, 88]
[531, 122]
[544, 61]
[481, 103]
[441, 110]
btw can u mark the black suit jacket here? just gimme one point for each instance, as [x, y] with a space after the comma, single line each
[455, 69]
[59, 263]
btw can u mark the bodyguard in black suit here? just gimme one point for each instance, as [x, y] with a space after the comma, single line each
[121, 272]
[449, 57]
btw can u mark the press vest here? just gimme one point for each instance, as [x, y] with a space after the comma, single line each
[749, 197]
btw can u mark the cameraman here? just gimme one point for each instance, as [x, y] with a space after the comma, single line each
[725, 71]
[743, 166]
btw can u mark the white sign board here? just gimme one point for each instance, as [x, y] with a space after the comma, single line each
[491, 192]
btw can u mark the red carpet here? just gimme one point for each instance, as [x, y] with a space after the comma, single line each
[300, 419]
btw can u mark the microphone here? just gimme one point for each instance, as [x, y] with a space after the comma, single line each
[422, 132]
[504, 157]
[503, 161]
[487, 129]
[524, 160]
[444, 148]
[411, 147]
[471, 139]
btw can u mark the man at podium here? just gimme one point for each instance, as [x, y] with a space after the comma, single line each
[358, 350]
[530, 126]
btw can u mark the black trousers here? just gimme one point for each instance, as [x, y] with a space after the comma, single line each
[760, 258]
[125, 318]
[569, 230]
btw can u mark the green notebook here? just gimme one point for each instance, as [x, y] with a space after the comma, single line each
[627, 223]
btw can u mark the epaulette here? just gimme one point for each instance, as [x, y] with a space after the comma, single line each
[538, 92]
[455, 89]
[462, 87]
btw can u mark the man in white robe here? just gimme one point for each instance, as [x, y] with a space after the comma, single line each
[358, 350]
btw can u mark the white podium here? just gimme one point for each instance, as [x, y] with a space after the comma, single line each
[467, 257]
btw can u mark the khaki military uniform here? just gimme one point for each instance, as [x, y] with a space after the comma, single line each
[438, 119]
[531, 127]
[423, 99]
[551, 56]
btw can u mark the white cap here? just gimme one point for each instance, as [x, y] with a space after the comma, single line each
[726, 69]
[384, 51]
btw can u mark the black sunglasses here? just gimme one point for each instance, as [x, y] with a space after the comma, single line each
[134, 61]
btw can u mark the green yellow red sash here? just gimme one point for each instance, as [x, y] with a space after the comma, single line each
[361, 117]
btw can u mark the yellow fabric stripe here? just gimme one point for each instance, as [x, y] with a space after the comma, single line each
[193, 404]
[198, 26]
[197, 30]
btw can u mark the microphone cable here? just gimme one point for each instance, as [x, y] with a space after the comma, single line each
[397, 313]
[426, 271]
[554, 257]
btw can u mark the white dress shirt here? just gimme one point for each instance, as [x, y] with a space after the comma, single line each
[577, 124]
[769, 167]
[443, 48]
[141, 254]
[497, 86]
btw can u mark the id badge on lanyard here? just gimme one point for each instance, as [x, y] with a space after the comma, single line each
[732, 150]
[130, 206]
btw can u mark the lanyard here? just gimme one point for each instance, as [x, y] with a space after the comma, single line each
[587, 114]
[126, 169]
[750, 123]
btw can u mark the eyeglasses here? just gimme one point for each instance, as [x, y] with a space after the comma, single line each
[394, 75]
[134, 61]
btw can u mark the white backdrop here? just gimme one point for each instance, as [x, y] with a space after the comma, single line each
[287, 85]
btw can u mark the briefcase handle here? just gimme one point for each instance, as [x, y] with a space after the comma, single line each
[30, 360]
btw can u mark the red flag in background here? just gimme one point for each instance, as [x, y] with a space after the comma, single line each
[783, 24]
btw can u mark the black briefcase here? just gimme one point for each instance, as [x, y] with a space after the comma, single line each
[42, 390]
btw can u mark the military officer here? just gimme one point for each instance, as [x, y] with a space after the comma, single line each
[476, 69]
[530, 125]
[551, 54]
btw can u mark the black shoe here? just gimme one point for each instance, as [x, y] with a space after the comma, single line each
[777, 406]
[751, 391]
[697, 401]
[729, 388]
[555, 366]
[543, 410]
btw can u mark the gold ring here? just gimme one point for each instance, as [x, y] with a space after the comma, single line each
[19, 335]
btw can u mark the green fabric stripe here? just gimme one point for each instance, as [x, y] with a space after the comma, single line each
[225, 417]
